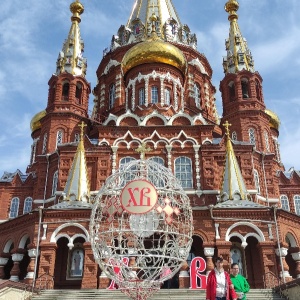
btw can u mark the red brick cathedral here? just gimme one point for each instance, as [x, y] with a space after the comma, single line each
[154, 91]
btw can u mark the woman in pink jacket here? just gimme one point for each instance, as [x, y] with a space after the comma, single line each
[219, 285]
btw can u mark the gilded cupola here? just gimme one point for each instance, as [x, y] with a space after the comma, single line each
[154, 50]
[71, 59]
[239, 56]
[274, 119]
[35, 123]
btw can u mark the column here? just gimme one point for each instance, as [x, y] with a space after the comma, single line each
[114, 158]
[169, 148]
[296, 257]
[209, 253]
[15, 271]
[30, 269]
[281, 254]
[89, 279]
[3, 261]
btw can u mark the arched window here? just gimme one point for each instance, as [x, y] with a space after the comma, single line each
[78, 93]
[14, 208]
[65, 91]
[27, 205]
[245, 88]
[54, 183]
[256, 181]
[183, 171]
[153, 178]
[158, 160]
[33, 151]
[197, 95]
[231, 87]
[112, 96]
[154, 94]
[59, 137]
[45, 140]
[276, 146]
[142, 96]
[252, 140]
[258, 89]
[267, 141]
[128, 177]
[297, 204]
[167, 96]
[76, 137]
[234, 136]
[284, 202]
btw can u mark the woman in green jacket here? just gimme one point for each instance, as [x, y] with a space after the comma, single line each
[240, 283]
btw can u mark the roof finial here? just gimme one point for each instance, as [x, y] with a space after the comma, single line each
[153, 20]
[82, 125]
[76, 9]
[227, 125]
[142, 149]
[239, 56]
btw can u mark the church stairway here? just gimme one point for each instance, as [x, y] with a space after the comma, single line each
[164, 294]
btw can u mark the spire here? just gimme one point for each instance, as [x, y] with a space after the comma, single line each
[71, 59]
[233, 187]
[77, 186]
[239, 56]
[144, 9]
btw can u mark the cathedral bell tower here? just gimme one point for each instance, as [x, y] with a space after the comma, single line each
[67, 106]
[68, 89]
[241, 88]
[245, 109]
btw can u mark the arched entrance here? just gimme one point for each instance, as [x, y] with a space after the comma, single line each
[69, 264]
[292, 245]
[254, 264]
[25, 261]
[9, 265]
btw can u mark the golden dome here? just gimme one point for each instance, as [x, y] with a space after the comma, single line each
[151, 51]
[35, 123]
[274, 119]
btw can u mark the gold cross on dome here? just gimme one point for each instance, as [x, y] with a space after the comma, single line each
[142, 149]
[227, 125]
[82, 125]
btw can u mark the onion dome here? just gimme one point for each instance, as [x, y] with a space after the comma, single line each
[274, 119]
[154, 50]
[71, 59]
[35, 123]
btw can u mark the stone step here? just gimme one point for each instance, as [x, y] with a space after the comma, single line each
[164, 294]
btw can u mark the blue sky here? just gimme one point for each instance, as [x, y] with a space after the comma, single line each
[32, 34]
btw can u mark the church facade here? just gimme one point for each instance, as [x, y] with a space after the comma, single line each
[154, 90]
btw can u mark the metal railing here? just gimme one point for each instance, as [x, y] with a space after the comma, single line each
[44, 282]
[271, 281]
